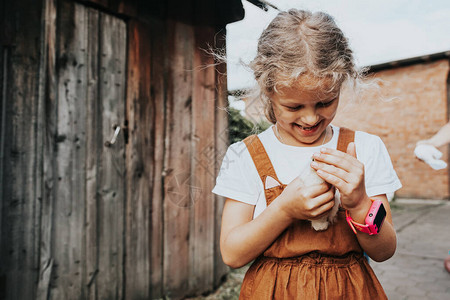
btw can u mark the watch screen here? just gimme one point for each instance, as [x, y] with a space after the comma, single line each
[379, 218]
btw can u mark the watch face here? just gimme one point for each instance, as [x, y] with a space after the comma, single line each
[379, 218]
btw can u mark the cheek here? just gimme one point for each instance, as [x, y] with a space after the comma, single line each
[286, 116]
[330, 112]
[280, 114]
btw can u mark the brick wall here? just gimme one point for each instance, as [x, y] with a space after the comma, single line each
[413, 107]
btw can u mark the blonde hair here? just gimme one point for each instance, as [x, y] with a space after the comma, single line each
[296, 43]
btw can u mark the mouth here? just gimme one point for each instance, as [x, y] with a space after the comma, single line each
[308, 130]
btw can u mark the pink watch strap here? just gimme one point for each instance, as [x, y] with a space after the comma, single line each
[369, 227]
[353, 224]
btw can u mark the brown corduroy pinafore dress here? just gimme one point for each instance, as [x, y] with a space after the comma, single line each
[306, 264]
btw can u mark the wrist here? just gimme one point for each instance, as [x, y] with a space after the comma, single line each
[359, 212]
[373, 221]
[283, 207]
[430, 142]
[423, 142]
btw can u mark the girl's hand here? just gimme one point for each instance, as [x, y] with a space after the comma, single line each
[345, 172]
[302, 202]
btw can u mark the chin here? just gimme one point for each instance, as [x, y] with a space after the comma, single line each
[310, 142]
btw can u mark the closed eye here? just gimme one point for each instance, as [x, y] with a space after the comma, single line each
[325, 104]
[294, 108]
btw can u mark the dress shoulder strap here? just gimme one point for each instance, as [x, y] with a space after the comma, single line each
[264, 165]
[260, 158]
[346, 136]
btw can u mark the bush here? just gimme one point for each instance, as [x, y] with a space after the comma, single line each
[240, 127]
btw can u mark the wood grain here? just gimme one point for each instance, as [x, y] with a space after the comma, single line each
[139, 162]
[112, 61]
[83, 219]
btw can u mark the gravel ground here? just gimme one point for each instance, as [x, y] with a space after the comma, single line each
[230, 289]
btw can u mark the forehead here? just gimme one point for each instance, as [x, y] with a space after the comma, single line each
[308, 88]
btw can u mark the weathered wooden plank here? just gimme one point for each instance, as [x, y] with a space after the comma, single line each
[111, 185]
[158, 97]
[94, 146]
[124, 7]
[139, 162]
[178, 160]
[18, 255]
[70, 155]
[47, 127]
[3, 85]
[221, 145]
[201, 237]
[103, 3]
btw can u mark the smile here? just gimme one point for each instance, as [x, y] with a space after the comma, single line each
[308, 128]
[308, 132]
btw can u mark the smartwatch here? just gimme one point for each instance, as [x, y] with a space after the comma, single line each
[374, 219]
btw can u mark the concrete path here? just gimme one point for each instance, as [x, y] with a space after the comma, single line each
[416, 271]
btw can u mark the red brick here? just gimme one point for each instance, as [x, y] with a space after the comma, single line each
[417, 111]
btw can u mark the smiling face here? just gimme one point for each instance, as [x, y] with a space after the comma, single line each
[304, 110]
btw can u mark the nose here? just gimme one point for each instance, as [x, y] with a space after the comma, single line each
[309, 117]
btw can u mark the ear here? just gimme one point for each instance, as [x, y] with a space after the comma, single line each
[271, 182]
[351, 149]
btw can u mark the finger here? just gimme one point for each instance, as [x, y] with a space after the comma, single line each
[314, 191]
[351, 149]
[334, 152]
[322, 215]
[337, 158]
[317, 189]
[341, 155]
[326, 204]
[330, 169]
[336, 181]
[324, 197]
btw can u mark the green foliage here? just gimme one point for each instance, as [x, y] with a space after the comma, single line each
[240, 127]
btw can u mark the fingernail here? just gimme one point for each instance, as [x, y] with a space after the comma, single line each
[314, 164]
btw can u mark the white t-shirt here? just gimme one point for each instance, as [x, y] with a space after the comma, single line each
[238, 178]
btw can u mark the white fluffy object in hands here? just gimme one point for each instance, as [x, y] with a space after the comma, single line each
[310, 177]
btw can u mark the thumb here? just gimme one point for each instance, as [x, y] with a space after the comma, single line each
[351, 149]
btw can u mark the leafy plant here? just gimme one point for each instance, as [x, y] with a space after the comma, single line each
[240, 127]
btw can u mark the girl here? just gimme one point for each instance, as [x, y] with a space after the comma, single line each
[303, 60]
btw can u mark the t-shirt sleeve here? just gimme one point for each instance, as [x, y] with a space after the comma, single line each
[380, 176]
[238, 177]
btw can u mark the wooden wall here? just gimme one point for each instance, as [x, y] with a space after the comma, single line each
[84, 219]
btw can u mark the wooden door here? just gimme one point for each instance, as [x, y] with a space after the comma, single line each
[87, 228]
